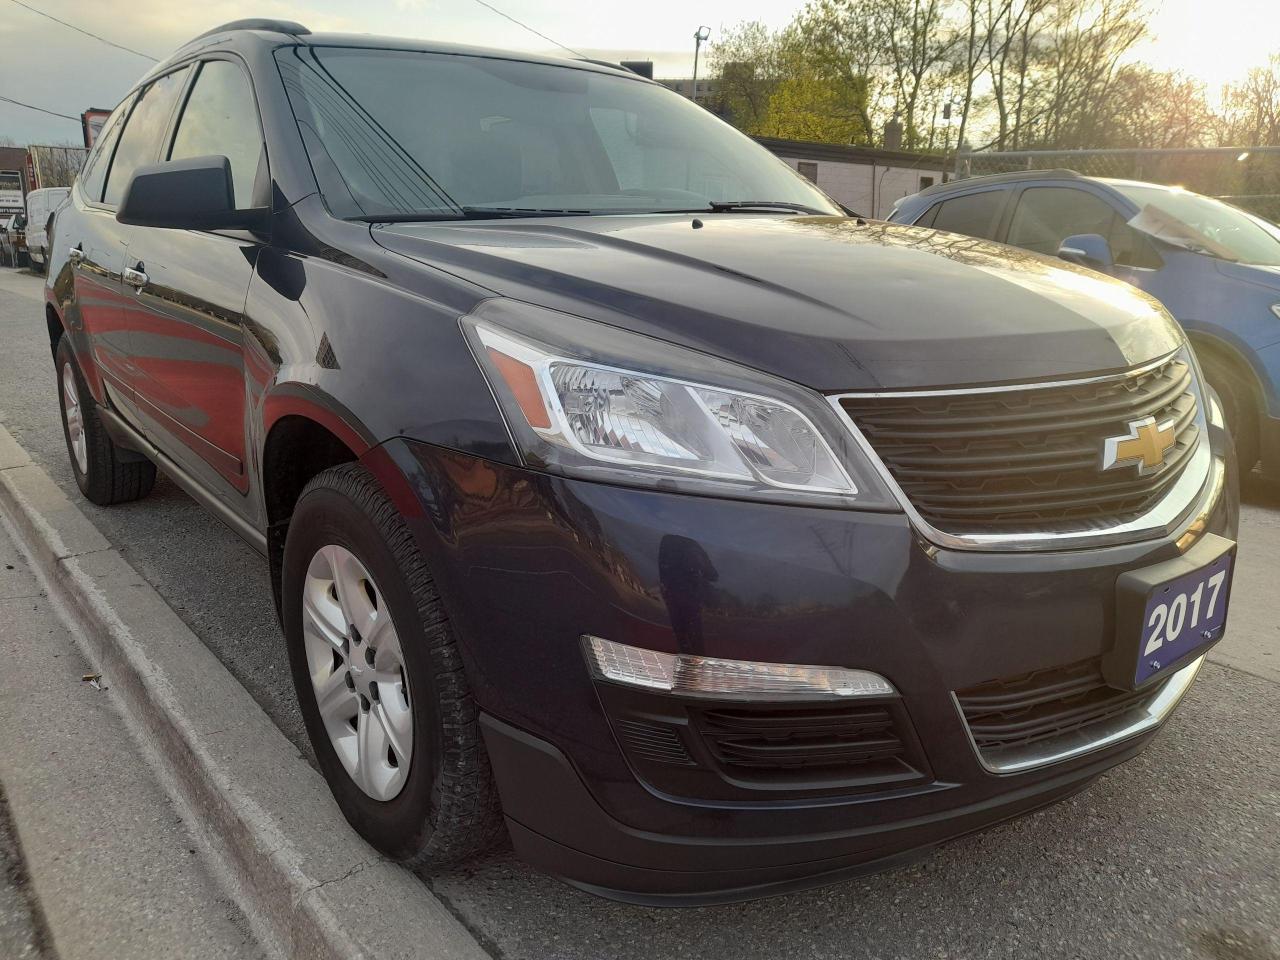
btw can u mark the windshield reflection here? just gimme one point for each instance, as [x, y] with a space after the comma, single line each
[1202, 225]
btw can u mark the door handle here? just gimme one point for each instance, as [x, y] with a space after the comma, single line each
[75, 255]
[135, 278]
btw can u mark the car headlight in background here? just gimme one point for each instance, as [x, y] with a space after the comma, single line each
[585, 399]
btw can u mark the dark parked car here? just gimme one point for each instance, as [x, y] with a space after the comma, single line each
[1215, 267]
[613, 485]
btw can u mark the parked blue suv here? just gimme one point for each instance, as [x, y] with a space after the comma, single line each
[1216, 268]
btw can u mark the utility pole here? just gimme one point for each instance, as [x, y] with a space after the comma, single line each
[699, 36]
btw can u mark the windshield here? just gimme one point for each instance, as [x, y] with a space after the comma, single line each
[396, 135]
[1214, 227]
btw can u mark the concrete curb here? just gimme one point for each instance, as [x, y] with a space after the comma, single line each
[309, 886]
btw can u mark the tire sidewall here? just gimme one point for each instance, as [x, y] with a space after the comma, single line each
[401, 826]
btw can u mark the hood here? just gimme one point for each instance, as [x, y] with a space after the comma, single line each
[832, 303]
[1263, 276]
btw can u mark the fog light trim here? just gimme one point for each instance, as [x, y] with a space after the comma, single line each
[684, 673]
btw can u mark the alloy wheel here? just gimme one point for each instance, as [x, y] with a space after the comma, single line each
[75, 418]
[357, 671]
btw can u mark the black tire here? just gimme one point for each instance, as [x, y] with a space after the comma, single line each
[448, 807]
[110, 475]
[1239, 407]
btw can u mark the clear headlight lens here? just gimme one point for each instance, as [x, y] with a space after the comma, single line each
[578, 409]
[1275, 308]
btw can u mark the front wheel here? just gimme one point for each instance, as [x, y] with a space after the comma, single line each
[379, 678]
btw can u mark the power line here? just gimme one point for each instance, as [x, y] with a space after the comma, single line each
[508, 16]
[110, 43]
[32, 106]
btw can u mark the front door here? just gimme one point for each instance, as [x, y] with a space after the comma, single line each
[187, 291]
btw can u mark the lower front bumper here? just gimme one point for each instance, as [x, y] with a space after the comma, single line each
[610, 859]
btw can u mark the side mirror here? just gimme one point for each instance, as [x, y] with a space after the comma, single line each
[1087, 250]
[192, 194]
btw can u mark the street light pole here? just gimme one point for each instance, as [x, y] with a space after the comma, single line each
[700, 35]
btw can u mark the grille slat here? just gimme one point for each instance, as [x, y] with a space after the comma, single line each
[1029, 458]
[654, 741]
[789, 739]
[1003, 715]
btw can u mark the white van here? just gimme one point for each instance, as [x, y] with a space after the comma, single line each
[40, 206]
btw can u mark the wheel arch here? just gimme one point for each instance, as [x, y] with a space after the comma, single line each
[55, 325]
[305, 433]
[1230, 353]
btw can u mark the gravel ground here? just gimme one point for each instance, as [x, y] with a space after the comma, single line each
[1176, 854]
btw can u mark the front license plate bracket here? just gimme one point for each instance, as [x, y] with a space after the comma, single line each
[1128, 665]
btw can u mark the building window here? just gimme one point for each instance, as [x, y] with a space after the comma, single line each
[926, 182]
[808, 169]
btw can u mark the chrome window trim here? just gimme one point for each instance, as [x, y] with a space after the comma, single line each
[1187, 497]
[1099, 736]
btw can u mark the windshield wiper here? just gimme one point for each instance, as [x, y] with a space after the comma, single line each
[729, 206]
[468, 213]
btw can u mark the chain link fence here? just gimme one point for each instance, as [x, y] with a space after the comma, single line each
[1248, 177]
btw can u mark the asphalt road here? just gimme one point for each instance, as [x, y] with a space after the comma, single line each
[1175, 854]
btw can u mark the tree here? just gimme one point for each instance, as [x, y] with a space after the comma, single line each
[747, 58]
[1251, 109]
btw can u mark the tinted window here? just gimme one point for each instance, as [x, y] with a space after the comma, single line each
[95, 170]
[140, 142]
[396, 132]
[1045, 216]
[974, 214]
[220, 119]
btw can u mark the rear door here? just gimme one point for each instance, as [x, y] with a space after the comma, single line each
[187, 291]
[94, 246]
[976, 214]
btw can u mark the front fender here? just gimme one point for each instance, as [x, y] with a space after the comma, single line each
[378, 356]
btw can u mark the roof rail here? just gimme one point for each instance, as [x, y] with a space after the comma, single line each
[258, 23]
[1012, 175]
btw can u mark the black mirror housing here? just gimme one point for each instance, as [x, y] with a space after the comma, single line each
[1087, 250]
[191, 194]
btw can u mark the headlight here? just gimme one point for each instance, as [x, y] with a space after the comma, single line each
[585, 399]
[1275, 308]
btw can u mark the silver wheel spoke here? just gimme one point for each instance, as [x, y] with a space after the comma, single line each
[335, 700]
[397, 729]
[320, 618]
[372, 744]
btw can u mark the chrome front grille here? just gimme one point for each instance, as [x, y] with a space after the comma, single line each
[1006, 460]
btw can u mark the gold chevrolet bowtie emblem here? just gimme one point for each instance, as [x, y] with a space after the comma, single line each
[1145, 445]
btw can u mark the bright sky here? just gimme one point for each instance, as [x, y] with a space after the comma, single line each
[1214, 40]
[49, 65]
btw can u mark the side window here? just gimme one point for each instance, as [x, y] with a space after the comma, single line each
[975, 214]
[95, 171]
[221, 119]
[143, 131]
[1046, 216]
